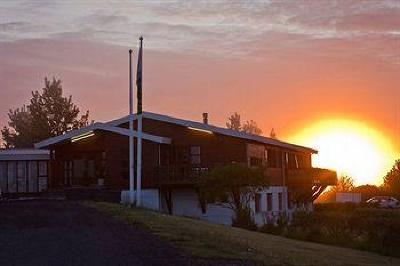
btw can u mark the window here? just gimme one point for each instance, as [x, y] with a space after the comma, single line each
[21, 178]
[292, 161]
[12, 177]
[303, 160]
[42, 165]
[255, 161]
[280, 201]
[79, 168]
[273, 158]
[91, 169]
[42, 168]
[257, 202]
[269, 201]
[3, 176]
[195, 155]
[180, 154]
[67, 172]
[164, 155]
[33, 176]
[255, 155]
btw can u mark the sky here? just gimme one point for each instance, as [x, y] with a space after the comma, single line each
[285, 64]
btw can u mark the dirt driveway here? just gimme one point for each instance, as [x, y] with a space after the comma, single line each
[67, 233]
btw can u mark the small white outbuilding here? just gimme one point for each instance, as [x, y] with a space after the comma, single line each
[348, 197]
[23, 170]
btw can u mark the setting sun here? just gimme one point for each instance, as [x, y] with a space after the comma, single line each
[350, 148]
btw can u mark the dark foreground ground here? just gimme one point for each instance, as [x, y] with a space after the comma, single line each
[67, 233]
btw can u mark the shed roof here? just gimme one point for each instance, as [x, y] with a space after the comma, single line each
[24, 154]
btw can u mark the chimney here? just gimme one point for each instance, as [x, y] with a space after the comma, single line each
[205, 118]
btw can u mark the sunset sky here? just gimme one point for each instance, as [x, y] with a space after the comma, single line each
[292, 66]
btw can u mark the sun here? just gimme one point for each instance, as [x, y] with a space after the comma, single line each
[349, 147]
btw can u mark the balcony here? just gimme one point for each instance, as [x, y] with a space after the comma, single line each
[180, 174]
[186, 174]
[311, 176]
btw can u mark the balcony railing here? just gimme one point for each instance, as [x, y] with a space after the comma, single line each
[189, 174]
[179, 174]
[311, 176]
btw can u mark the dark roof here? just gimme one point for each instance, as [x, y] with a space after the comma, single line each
[113, 126]
[214, 129]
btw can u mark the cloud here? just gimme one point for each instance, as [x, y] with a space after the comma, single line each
[12, 26]
[309, 57]
[197, 26]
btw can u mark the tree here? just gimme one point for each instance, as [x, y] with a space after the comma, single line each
[391, 181]
[234, 122]
[20, 121]
[250, 127]
[367, 191]
[47, 115]
[235, 185]
[272, 134]
[344, 184]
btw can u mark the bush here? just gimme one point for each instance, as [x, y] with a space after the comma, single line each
[275, 226]
[271, 228]
[350, 225]
[244, 219]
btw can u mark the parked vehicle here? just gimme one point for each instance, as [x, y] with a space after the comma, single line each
[384, 202]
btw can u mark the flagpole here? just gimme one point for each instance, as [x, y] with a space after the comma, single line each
[139, 82]
[139, 163]
[131, 143]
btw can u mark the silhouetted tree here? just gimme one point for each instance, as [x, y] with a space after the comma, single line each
[234, 122]
[391, 181]
[48, 114]
[344, 184]
[235, 185]
[250, 127]
[368, 191]
[272, 134]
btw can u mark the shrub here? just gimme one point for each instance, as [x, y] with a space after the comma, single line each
[275, 226]
[271, 228]
[350, 225]
[244, 219]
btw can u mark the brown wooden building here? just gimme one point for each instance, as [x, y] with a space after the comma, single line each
[175, 152]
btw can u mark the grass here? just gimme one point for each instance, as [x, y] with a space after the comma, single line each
[201, 239]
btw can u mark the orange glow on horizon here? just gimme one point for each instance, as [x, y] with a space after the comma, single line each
[349, 147]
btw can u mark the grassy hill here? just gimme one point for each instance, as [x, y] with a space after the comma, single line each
[201, 239]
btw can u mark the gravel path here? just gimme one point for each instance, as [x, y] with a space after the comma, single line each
[67, 233]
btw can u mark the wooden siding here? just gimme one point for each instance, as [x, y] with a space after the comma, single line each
[162, 161]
